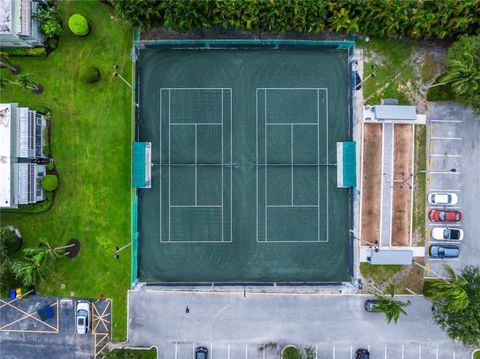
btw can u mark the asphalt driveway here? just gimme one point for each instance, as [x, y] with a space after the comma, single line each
[453, 139]
[258, 325]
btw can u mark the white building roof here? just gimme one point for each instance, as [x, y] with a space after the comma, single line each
[389, 112]
[5, 16]
[5, 153]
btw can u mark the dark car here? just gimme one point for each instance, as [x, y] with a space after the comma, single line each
[370, 305]
[444, 251]
[201, 353]
[362, 354]
[444, 216]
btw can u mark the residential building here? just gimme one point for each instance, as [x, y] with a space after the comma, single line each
[22, 134]
[18, 25]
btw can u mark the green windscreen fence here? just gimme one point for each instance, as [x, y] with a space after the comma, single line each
[243, 163]
[346, 164]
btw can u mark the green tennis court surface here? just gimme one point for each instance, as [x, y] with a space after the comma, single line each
[244, 183]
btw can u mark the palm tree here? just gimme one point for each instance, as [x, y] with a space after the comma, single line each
[27, 270]
[26, 82]
[392, 308]
[44, 255]
[451, 290]
[463, 76]
[5, 62]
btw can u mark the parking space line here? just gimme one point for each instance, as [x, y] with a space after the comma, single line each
[27, 315]
[385, 351]
[436, 353]
[430, 163]
[445, 208]
[446, 138]
[420, 351]
[428, 232]
[454, 354]
[431, 128]
[428, 272]
[351, 351]
[445, 190]
[333, 354]
[445, 173]
[429, 181]
[446, 121]
[264, 351]
[246, 351]
[228, 351]
[176, 350]
[316, 351]
[450, 224]
[403, 350]
[430, 145]
[211, 350]
[443, 155]
[193, 350]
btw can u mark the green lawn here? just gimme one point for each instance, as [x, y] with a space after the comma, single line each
[477, 355]
[132, 354]
[419, 194]
[91, 135]
[393, 69]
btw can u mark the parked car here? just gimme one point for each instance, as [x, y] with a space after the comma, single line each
[447, 234]
[362, 354]
[370, 305]
[83, 317]
[444, 216]
[201, 353]
[442, 199]
[445, 251]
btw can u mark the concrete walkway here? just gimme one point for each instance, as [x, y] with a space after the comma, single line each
[387, 175]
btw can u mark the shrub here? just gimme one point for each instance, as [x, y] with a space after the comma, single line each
[18, 51]
[51, 28]
[50, 183]
[52, 43]
[78, 25]
[51, 166]
[90, 74]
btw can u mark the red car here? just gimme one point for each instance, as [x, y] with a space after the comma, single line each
[444, 216]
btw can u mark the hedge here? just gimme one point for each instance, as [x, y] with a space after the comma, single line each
[78, 24]
[50, 183]
[18, 51]
[382, 18]
[34, 207]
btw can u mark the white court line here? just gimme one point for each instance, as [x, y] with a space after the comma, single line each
[196, 206]
[223, 169]
[195, 123]
[231, 168]
[446, 138]
[328, 155]
[196, 88]
[196, 178]
[160, 151]
[266, 161]
[169, 170]
[292, 206]
[256, 158]
[293, 88]
[443, 155]
[318, 160]
[291, 156]
[291, 123]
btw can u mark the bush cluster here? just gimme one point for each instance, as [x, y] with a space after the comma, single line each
[383, 18]
[90, 74]
[19, 51]
[78, 25]
[50, 183]
[50, 21]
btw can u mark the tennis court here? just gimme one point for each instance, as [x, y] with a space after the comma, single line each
[243, 176]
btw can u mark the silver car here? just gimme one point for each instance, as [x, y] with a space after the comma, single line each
[83, 317]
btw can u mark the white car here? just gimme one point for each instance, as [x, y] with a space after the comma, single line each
[447, 234]
[442, 199]
[83, 317]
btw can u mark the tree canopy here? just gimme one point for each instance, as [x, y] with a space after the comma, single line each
[463, 324]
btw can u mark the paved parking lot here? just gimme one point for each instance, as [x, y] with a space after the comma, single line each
[24, 335]
[453, 138]
[258, 325]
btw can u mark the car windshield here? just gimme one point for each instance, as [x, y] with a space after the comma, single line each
[441, 251]
[446, 233]
[201, 355]
[454, 234]
[81, 321]
[449, 198]
[441, 216]
[82, 313]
